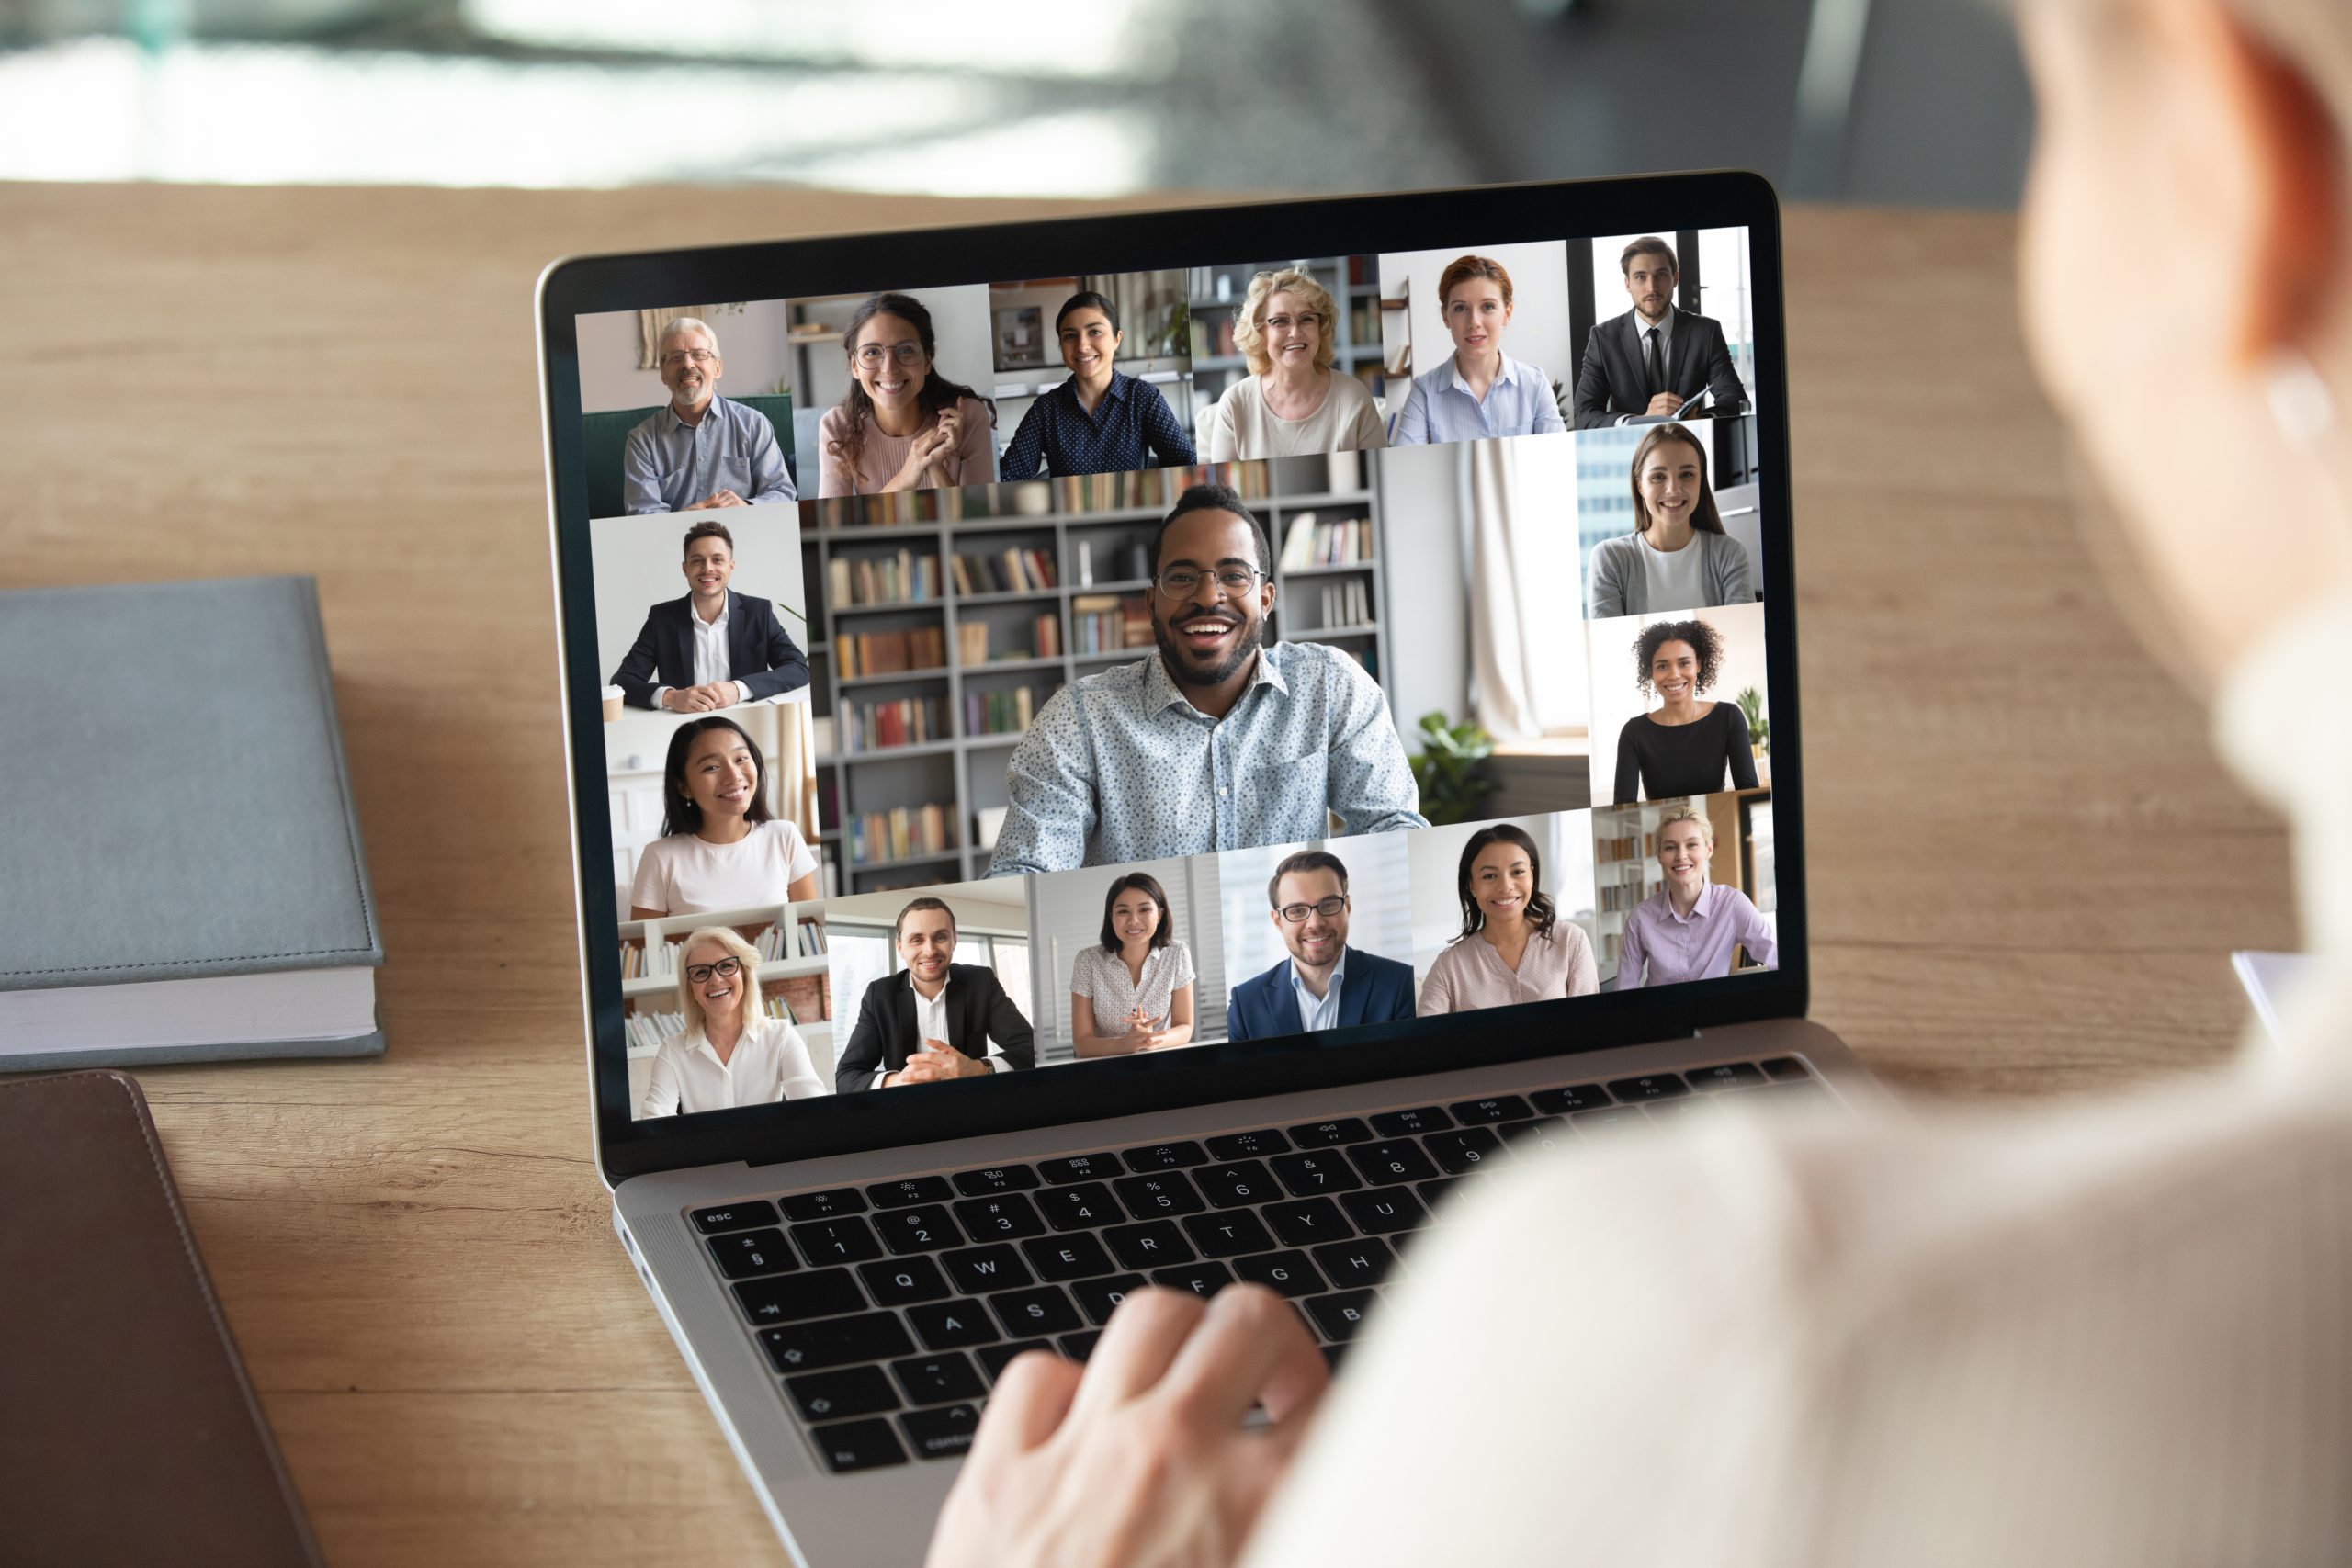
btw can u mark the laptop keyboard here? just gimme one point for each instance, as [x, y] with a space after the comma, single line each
[888, 1311]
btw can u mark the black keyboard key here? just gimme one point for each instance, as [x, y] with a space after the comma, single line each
[1157, 1197]
[950, 1325]
[1352, 1265]
[837, 1341]
[1406, 1123]
[1340, 1315]
[1308, 1222]
[1204, 1280]
[828, 1204]
[1396, 1160]
[1101, 1298]
[1153, 1244]
[1471, 1148]
[1228, 1235]
[1231, 1186]
[858, 1445]
[846, 1240]
[837, 1396]
[994, 1359]
[926, 1228]
[1325, 1134]
[1077, 1347]
[936, 1379]
[1061, 1258]
[995, 1178]
[1608, 1120]
[995, 1266]
[734, 1217]
[746, 1253]
[941, 1434]
[1080, 1208]
[1166, 1157]
[1253, 1145]
[1493, 1108]
[908, 1193]
[1291, 1273]
[1078, 1167]
[1432, 1191]
[795, 1298]
[1041, 1309]
[1384, 1211]
[1546, 1132]
[1008, 1217]
[1576, 1096]
[1786, 1069]
[903, 1281]
[1310, 1173]
[1728, 1075]
[1650, 1086]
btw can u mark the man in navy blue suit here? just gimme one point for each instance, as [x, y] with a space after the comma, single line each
[712, 648]
[1326, 984]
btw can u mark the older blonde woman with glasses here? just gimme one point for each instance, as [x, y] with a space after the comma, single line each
[1292, 401]
[730, 1053]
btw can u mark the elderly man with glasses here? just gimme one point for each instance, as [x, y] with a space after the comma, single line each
[1216, 742]
[700, 451]
[1326, 984]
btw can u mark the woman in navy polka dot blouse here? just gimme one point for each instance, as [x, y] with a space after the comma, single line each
[1100, 421]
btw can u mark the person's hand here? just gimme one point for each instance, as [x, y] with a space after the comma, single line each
[936, 1061]
[925, 448]
[1160, 1040]
[687, 699]
[1141, 1459]
[717, 498]
[1663, 403]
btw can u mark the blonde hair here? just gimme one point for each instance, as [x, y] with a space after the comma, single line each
[1250, 338]
[689, 1004]
[1687, 812]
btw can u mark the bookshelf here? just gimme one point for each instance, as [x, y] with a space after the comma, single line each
[1216, 291]
[1080, 544]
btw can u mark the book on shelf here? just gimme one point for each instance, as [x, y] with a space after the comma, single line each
[891, 653]
[1625, 848]
[1156, 488]
[897, 509]
[904, 721]
[1347, 603]
[902, 834]
[1314, 541]
[1006, 571]
[904, 578]
[999, 713]
[1107, 623]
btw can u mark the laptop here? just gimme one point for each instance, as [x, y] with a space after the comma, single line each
[1159, 748]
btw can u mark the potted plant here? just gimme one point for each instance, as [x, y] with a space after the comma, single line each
[1451, 769]
[1760, 733]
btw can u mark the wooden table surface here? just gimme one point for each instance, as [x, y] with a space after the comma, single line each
[2027, 868]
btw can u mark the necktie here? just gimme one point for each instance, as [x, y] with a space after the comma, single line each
[1657, 371]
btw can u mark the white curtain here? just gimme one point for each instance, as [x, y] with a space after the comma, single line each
[1512, 616]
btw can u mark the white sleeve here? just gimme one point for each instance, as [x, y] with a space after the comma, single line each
[650, 890]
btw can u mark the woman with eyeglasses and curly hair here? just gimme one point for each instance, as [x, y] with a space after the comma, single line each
[902, 425]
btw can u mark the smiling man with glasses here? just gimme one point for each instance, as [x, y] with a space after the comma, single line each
[1326, 984]
[700, 451]
[1220, 740]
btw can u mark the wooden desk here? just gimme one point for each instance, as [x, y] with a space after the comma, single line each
[2027, 870]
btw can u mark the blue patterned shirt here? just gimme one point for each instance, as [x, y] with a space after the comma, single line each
[1120, 767]
[1131, 428]
[667, 465]
[1440, 408]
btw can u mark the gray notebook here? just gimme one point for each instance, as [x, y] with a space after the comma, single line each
[180, 870]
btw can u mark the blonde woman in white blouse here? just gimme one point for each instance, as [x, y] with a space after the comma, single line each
[1292, 401]
[730, 1053]
[1514, 947]
[1133, 990]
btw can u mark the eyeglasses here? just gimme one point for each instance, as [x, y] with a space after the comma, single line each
[678, 356]
[1232, 580]
[725, 969]
[1308, 320]
[908, 354]
[1329, 908]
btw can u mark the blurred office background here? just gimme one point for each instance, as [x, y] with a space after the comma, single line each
[1903, 101]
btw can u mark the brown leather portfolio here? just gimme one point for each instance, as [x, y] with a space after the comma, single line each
[127, 1431]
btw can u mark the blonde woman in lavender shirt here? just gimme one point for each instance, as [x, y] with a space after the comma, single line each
[1686, 930]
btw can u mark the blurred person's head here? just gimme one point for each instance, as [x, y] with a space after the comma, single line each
[1473, 295]
[1285, 322]
[1649, 266]
[924, 934]
[690, 364]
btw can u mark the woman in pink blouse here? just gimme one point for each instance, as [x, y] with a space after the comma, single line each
[1513, 947]
[902, 425]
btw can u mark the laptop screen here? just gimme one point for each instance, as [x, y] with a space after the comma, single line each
[1005, 677]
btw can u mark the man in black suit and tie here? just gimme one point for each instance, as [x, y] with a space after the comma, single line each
[712, 648]
[1650, 361]
[936, 1020]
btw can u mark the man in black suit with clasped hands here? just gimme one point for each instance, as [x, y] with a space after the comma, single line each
[712, 648]
[936, 1020]
[1650, 361]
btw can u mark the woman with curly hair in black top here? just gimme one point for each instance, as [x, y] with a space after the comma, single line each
[902, 425]
[1683, 746]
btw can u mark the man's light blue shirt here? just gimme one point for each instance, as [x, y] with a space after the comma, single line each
[1440, 408]
[668, 465]
[1319, 1012]
[1120, 767]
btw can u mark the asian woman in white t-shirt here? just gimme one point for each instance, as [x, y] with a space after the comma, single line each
[720, 848]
